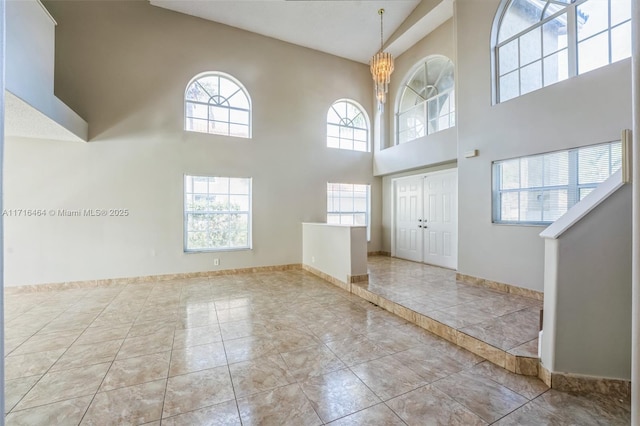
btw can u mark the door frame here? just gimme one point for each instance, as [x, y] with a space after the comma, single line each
[394, 186]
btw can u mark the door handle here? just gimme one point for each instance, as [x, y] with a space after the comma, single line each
[419, 226]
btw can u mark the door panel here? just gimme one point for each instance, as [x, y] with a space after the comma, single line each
[441, 226]
[408, 192]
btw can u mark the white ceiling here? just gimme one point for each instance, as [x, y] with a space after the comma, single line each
[346, 28]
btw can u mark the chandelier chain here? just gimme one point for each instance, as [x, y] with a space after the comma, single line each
[380, 12]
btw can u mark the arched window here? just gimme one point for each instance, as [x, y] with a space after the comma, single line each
[541, 42]
[347, 126]
[217, 103]
[427, 101]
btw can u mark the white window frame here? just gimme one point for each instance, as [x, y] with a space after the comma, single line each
[572, 45]
[424, 105]
[340, 212]
[219, 102]
[187, 214]
[348, 124]
[573, 186]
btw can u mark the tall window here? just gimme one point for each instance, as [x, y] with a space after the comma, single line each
[348, 204]
[217, 213]
[540, 188]
[427, 102]
[347, 126]
[541, 42]
[217, 103]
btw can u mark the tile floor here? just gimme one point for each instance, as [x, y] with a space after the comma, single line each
[280, 348]
[505, 321]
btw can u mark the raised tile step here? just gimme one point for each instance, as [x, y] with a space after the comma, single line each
[521, 359]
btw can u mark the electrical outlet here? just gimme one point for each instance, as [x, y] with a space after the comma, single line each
[216, 262]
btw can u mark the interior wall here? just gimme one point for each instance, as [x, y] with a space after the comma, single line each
[339, 251]
[429, 150]
[587, 109]
[29, 69]
[124, 67]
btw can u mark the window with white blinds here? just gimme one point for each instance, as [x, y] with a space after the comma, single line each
[348, 204]
[538, 189]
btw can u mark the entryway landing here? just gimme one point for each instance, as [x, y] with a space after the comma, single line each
[500, 327]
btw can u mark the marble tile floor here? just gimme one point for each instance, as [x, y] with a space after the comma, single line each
[278, 348]
[505, 321]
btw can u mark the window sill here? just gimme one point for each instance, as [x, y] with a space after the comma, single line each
[196, 251]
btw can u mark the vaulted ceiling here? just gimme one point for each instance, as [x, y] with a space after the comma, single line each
[345, 28]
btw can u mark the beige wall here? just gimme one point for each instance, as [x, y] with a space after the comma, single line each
[432, 149]
[124, 66]
[587, 109]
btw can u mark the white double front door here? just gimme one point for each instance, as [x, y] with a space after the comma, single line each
[426, 218]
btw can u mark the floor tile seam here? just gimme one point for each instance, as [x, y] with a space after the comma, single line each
[469, 408]
[49, 369]
[133, 323]
[505, 385]
[526, 308]
[424, 383]
[60, 331]
[394, 412]
[527, 403]
[316, 411]
[538, 402]
[363, 409]
[163, 418]
[89, 364]
[431, 382]
[14, 349]
[99, 341]
[144, 382]
[506, 351]
[253, 393]
[464, 407]
[173, 347]
[198, 370]
[166, 385]
[301, 348]
[58, 401]
[25, 394]
[101, 382]
[233, 387]
[367, 386]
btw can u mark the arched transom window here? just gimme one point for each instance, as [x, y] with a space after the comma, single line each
[217, 103]
[347, 126]
[541, 42]
[427, 101]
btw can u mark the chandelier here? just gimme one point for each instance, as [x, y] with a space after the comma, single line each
[381, 68]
